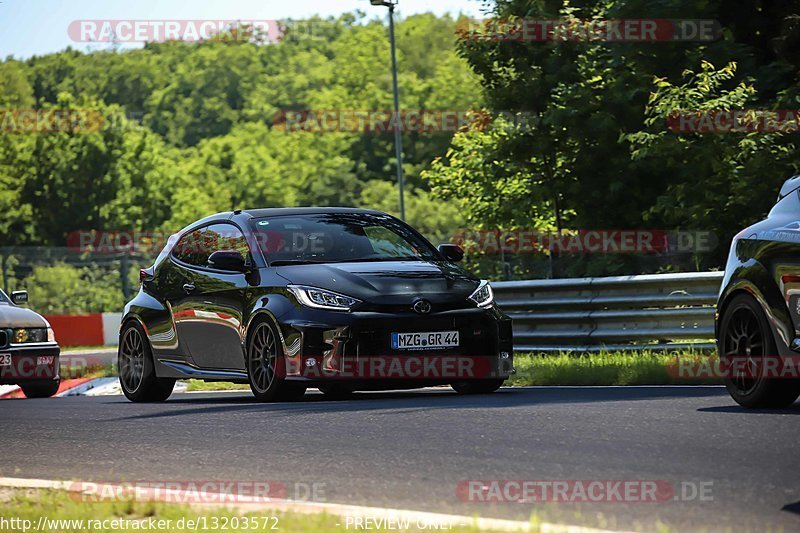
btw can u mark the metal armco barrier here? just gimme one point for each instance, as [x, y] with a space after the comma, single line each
[655, 312]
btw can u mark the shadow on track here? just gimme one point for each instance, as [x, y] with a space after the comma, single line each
[738, 409]
[410, 401]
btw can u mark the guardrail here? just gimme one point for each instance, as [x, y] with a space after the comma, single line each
[657, 312]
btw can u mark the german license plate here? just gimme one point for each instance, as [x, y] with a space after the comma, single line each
[433, 340]
[5, 359]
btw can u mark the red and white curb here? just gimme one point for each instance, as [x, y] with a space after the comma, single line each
[335, 509]
[82, 387]
[8, 392]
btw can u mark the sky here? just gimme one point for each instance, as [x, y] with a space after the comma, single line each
[35, 27]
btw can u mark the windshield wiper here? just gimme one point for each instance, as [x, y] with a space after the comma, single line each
[375, 259]
[289, 262]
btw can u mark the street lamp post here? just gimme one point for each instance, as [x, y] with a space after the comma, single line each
[398, 137]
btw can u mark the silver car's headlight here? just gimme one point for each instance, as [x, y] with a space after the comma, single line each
[483, 295]
[323, 299]
[51, 334]
[23, 335]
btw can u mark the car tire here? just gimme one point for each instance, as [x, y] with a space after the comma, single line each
[137, 374]
[484, 386]
[745, 332]
[40, 389]
[266, 366]
[336, 391]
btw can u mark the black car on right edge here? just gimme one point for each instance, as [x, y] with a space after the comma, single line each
[758, 312]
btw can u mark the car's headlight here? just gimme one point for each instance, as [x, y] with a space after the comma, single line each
[23, 335]
[483, 295]
[51, 334]
[323, 299]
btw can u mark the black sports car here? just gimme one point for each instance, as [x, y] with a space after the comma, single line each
[28, 349]
[335, 298]
[758, 313]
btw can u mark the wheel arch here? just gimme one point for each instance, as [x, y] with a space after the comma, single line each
[756, 282]
[133, 317]
[258, 316]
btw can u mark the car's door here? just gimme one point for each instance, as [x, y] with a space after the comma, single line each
[209, 313]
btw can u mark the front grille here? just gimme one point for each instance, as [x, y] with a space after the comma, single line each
[3, 338]
[478, 336]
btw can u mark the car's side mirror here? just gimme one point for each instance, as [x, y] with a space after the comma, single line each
[451, 252]
[19, 297]
[227, 260]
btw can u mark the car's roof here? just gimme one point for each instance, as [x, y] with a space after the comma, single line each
[282, 211]
[274, 212]
[790, 185]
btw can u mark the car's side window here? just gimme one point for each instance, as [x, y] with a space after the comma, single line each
[196, 247]
[190, 249]
[225, 237]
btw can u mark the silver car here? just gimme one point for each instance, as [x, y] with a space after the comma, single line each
[29, 353]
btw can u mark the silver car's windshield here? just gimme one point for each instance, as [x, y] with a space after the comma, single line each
[4, 299]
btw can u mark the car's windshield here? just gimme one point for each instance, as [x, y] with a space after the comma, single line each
[4, 299]
[337, 238]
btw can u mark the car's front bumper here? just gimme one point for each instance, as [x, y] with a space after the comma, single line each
[322, 346]
[30, 362]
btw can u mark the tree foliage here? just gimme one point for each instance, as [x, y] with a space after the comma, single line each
[189, 128]
[596, 146]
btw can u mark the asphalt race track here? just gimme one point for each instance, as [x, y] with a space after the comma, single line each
[410, 449]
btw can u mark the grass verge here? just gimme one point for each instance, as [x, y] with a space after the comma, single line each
[615, 368]
[27, 510]
[199, 385]
[605, 368]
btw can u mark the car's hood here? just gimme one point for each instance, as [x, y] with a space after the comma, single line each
[386, 282]
[19, 317]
